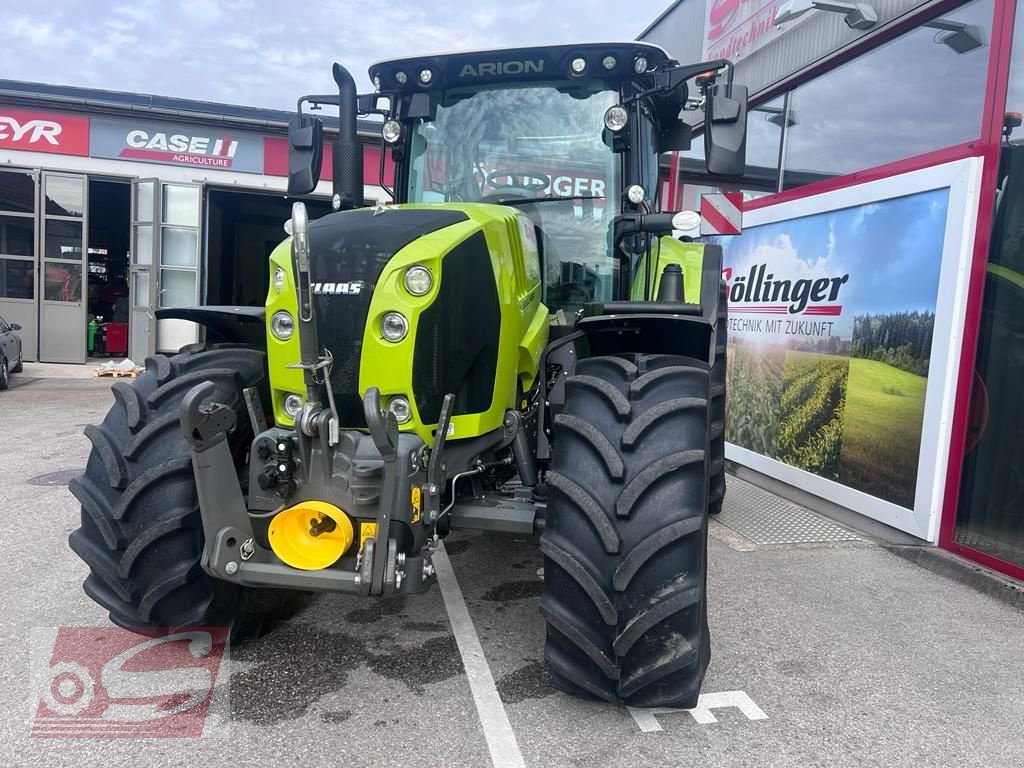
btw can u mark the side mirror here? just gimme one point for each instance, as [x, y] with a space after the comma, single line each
[15, 327]
[725, 130]
[305, 154]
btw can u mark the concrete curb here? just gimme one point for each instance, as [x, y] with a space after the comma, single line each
[979, 578]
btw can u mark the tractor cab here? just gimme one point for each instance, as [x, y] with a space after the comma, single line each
[569, 135]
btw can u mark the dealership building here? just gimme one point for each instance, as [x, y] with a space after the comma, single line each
[876, 323]
[884, 152]
[115, 204]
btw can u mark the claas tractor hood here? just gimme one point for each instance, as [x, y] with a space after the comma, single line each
[418, 301]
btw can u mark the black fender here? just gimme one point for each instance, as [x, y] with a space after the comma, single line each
[659, 327]
[646, 327]
[234, 325]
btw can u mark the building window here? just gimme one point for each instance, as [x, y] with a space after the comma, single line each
[921, 92]
[990, 515]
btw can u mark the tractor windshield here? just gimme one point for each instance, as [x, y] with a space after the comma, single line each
[542, 150]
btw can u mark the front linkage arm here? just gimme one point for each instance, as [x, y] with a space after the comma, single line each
[230, 552]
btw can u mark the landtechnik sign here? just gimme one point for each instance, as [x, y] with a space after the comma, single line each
[839, 342]
[734, 29]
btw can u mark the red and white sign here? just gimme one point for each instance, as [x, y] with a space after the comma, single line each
[721, 213]
[44, 132]
[275, 162]
[181, 148]
[213, 148]
[734, 29]
[103, 683]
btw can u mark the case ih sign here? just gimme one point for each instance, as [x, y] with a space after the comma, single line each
[44, 132]
[177, 144]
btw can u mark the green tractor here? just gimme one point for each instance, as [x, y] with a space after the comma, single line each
[517, 345]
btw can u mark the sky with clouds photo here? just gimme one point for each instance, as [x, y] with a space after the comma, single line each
[265, 53]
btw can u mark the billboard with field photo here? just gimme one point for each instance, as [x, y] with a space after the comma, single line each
[831, 318]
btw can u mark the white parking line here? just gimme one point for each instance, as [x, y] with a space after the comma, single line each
[648, 723]
[501, 741]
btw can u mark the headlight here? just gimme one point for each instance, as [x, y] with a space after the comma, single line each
[615, 118]
[292, 405]
[282, 325]
[401, 408]
[279, 278]
[394, 326]
[391, 131]
[418, 280]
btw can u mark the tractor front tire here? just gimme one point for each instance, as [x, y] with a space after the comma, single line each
[626, 532]
[141, 533]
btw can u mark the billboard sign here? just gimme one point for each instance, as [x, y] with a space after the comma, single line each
[842, 308]
[177, 144]
[734, 29]
[32, 131]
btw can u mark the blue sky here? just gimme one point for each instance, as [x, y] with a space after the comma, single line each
[891, 250]
[266, 53]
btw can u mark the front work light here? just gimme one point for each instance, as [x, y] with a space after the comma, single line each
[578, 65]
[615, 118]
[394, 326]
[636, 194]
[400, 407]
[391, 131]
[292, 405]
[418, 280]
[282, 325]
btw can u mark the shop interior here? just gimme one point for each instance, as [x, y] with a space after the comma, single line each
[242, 230]
[108, 253]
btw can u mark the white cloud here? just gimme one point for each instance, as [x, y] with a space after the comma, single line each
[202, 10]
[110, 46]
[39, 33]
[143, 12]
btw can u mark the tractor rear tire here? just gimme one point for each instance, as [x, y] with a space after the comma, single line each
[141, 533]
[716, 486]
[625, 541]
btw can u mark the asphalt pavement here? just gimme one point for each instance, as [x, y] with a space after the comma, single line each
[827, 651]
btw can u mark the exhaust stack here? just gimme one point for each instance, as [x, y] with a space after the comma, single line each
[347, 161]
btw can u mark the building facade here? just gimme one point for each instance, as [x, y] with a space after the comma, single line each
[114, 204]
[877, 292]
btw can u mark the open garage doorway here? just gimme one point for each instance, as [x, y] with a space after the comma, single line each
[108, 246]
[242, 229]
